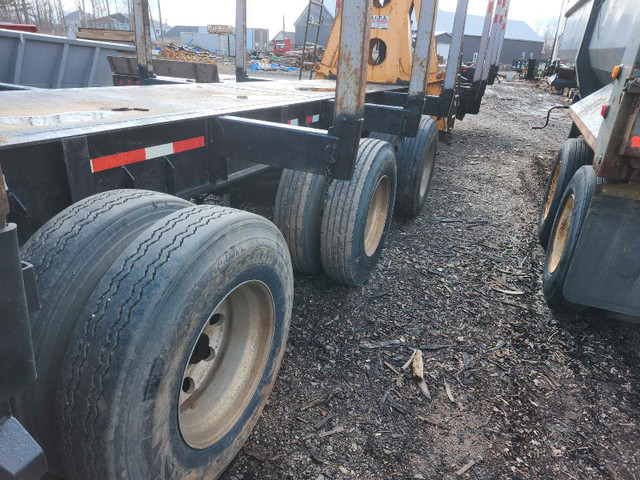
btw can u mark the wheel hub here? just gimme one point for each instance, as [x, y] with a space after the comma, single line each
[377, 216]
[561, 234]
[552, 190]
[226, 364]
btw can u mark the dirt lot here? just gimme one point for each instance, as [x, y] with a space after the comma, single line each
[518, 391]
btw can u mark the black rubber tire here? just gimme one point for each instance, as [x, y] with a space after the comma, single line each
[344, 258]
[298, 215]
[70, 254]
[259, 189]
[582, 187]
[394, 140]
[574, 154]
[117, 399]
[413, 154]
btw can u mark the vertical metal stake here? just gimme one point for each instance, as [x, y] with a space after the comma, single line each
[422, 51]
[241, 40]
[484, 41]
[457, 39]
[143, 39]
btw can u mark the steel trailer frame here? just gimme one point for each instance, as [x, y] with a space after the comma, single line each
[187, 153]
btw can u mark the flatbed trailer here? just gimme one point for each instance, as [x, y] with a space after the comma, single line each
[156, 327]
[185, 140]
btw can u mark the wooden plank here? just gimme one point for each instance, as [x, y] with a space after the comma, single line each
[103, 34]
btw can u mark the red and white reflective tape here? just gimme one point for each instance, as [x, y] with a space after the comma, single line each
[135, 156]
[310, 119]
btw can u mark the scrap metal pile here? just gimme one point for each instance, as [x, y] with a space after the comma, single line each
[293, 58]
[187, 53]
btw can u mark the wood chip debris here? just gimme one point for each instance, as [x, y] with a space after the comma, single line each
[331, 432]
[261, 457]
[406, 365]
[508, 292]
[391, 367]
[447, 388]
[433, 422]
[462, 470]
[317, 400]
[418, 373]
[321, 423]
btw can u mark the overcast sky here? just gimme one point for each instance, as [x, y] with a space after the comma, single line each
[268, 13]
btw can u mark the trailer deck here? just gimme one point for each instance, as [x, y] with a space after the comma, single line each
[32, 117]
[184, 139]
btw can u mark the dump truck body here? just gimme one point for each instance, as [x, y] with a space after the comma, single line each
[592, 255]
[594, 39]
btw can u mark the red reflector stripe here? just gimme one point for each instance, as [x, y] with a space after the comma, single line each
[118, 160]
[190, 144]
[635, 142]
[135, 156]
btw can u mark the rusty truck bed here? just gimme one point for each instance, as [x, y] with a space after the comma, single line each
[36, 116]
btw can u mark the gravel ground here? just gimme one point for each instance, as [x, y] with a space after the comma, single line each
[518, 391]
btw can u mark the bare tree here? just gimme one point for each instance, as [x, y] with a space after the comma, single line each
[547, 29]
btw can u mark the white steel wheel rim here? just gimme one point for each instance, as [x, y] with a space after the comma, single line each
[427, 167]
[377, 216]
[226, 364]
[561, 234]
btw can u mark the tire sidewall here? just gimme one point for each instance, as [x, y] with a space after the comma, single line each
[313, 211]
[582, 186]
[570, 161]
[411, 158]
[427, 155]
[384, 165]
[153, 411]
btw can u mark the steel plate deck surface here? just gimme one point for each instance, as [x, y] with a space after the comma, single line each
[30, 117]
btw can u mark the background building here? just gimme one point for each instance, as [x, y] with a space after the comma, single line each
[521, 41]
[325, 28]
[220, 43]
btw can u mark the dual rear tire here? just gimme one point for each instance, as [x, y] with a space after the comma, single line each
[574, 154]
[416, 157]
[340, 227]
[572, 211]
[161, 331]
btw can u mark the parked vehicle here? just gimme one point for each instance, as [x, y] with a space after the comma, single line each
[589, 215]
[156, 325]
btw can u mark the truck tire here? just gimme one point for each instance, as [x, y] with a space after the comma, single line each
[70, 254]
[564, 236]
[357, 215]
[394, 140]
[177, 349]
[416, 159]
[259, 189]
[298, 215]
[574, 154]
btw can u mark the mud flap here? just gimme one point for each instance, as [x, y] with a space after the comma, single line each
[605, 269]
